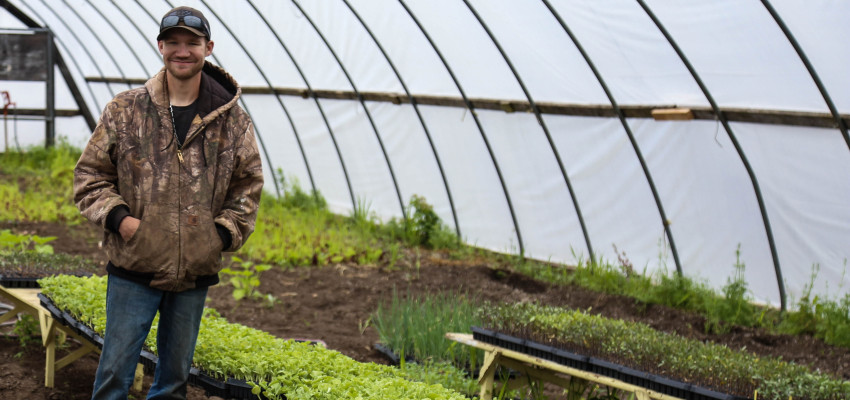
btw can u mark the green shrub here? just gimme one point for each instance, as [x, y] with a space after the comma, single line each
[422, 227]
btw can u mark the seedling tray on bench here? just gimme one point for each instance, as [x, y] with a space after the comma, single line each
[229, 388]
[19, 283]
[632, 376]
[29, 282]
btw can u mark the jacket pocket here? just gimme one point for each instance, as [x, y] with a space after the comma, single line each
[152, 249]
[200, 242]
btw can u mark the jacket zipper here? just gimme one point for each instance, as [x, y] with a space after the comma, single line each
[179, 219]
[179, 147]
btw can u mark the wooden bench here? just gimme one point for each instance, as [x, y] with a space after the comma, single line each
[542, 371]
[25, 301]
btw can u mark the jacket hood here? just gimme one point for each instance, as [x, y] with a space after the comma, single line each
[219, 92]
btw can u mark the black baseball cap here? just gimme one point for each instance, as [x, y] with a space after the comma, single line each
[187, 18]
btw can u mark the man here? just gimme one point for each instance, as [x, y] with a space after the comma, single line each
[173, 175]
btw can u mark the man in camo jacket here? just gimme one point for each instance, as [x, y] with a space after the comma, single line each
[173, 176]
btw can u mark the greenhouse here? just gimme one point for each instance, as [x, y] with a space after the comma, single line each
[669, 139]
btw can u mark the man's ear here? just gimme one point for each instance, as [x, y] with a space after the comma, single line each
[210, 45]
[159, 44]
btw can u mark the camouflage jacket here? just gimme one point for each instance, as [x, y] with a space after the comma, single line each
[131, 161]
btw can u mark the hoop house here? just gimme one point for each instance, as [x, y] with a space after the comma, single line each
[676, 134]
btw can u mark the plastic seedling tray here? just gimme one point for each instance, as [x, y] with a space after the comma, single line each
[602, 367]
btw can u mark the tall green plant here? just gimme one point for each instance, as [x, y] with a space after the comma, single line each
[416, 326]
[824, 318]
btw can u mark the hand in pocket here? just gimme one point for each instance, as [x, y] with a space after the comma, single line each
[128, 228]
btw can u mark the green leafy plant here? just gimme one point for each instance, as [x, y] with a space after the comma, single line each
[244, 276]
[25, 243]
[444, 373]
[275, 367]
[36, 184]
[422, 227]
[27, 330]
[309, 236]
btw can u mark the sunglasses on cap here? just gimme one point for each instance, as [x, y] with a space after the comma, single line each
[190, 21]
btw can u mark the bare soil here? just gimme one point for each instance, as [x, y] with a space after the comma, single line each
[334, 303]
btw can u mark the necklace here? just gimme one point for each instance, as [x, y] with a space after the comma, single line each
[174, 130]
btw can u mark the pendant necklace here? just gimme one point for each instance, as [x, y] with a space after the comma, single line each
[174, 129]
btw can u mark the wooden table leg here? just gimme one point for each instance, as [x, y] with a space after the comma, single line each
[487, 374]
[137, 378]
[48, 329]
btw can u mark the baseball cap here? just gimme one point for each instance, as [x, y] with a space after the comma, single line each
[187, 18]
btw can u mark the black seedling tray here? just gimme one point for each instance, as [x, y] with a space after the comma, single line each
[19, 283]
[632, 376]
[230, 388]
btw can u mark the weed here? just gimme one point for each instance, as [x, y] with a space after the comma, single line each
[735, 307]
[393, 254]
[25, 243]
[823, 318]
[27, 330]
[245, 278]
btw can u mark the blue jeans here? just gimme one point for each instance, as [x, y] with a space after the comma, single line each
[130, 309]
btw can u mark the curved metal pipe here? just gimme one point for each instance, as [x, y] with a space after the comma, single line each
[139, 30]
[77, 38]
[542, 125]
[73, 59]
[477, 123]
[282, 105]
[418, 115]
[123, 39]
[839, 122]
[318, 105]
[96, 37]
[362, 103]
[623, 121]
[268, 82]
[738, 148]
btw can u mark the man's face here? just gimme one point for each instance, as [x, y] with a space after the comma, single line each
[183, 53]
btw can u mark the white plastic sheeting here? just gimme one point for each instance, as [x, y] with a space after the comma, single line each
[500, 169]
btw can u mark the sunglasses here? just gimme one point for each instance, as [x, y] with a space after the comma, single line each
[189, 20]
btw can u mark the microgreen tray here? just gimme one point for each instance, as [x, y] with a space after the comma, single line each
[646, 380]
[19, 283]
